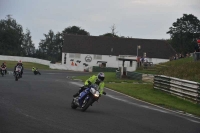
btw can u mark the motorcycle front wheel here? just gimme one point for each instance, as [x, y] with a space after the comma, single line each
[16, 78]
[73, 105]
[86, 104]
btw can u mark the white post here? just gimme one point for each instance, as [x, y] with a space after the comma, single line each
[138, 47]
[122, 70]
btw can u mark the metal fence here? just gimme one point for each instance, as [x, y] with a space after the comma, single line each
[182, 88]
[130, 75]
[134, 75]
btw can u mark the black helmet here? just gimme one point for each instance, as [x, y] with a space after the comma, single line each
[101, 76]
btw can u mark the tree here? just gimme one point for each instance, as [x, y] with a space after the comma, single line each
[28, 46]
[75, 31]
[109, 35]
[113, 28]
[183, 33]
[113, 32]
[51, 47]
[11, 37]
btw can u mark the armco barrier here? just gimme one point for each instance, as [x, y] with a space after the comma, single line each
[130, 75]
[118, 74]
[182, 88]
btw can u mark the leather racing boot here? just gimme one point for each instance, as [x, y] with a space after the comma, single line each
[75, 95]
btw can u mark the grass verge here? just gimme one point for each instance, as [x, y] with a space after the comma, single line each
[110, 77]
[146, 93]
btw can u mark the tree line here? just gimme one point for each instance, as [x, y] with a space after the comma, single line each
[14, 42]
[184, 33]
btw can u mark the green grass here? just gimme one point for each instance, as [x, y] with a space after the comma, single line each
[27, 65]
[146, 92]
[185, 68]
[110, 77]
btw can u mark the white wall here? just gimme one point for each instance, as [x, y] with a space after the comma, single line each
[111, 62]
[24, 59]
[157, 61]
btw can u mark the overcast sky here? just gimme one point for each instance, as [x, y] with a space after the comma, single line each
[148, 19]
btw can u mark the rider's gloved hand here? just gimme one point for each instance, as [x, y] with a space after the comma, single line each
[89, 83]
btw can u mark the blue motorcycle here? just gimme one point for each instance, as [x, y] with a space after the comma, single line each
[86, 98]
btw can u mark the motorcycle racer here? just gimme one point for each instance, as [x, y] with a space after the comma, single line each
[99, 80]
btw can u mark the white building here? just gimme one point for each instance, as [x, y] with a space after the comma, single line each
[83, 52]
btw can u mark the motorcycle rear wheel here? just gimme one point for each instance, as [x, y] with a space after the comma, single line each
[16, 79]
[2, 73]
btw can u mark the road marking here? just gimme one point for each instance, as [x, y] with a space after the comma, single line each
[132, 103]
[76, 83]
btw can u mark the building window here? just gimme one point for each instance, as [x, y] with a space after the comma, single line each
[98, 57]
[71, 55]
[102, 63]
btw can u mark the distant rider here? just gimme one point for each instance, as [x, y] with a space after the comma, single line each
[3, 66]
[19, 64]
[35, 71]
[99, 80]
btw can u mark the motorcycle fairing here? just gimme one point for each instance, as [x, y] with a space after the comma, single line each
[83, 95]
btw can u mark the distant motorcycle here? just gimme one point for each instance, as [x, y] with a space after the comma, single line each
[86, 98]
[18, 73]
[3, 71]
[36, 72]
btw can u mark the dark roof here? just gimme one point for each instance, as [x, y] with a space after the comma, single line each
[101, 61]
[117, 46]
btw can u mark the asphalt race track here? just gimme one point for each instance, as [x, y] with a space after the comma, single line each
[41, 104]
